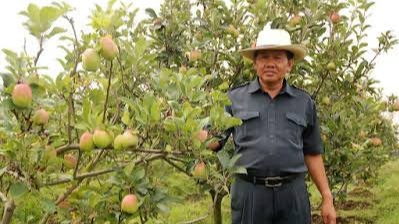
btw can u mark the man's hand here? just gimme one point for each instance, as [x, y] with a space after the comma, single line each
[328, 211]
[318, 174]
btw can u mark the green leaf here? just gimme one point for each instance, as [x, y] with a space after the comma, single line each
[129, 169]
[140, 47]
[86, 109]
[126, 115]
[155, 112]
[55, 31]
[138, 174]
[234, 160]
[239, 170]
[151, 13]
[164, 208]
[48, 205]
[18, 190]
[224, 158]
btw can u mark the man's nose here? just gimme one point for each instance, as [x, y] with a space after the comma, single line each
[269, 64]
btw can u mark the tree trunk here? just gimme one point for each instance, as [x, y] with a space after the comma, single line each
[217, 199]
[9, 208]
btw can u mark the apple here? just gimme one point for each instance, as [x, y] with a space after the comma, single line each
[376, 141]
[395, 106]
[194, 55]
[295, 20]
[86, 142]
[198, 36]
[157, 22]
[109, 49]
[40, 117]
[362, 134]
[102, 139]
[200, 170]
[326, 100]
[129, 204]
[126, 140]
[91, 60]
[331, 66]
[201, 135]
[335, 17]
[213, 145]
[232, 31]
[49, 153]
[182, 69]
[70, 161]
[22, 95]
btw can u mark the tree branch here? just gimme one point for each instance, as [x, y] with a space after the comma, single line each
[177, 167]
[40, 50]
[108, 88]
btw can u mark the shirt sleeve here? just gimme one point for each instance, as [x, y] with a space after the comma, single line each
[312, 143]
[223, 139]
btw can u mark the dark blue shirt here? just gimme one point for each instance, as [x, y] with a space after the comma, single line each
[275, 133]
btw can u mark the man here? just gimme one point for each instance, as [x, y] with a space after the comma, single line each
[279, 140]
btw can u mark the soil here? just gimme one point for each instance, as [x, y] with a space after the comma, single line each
[316, 219]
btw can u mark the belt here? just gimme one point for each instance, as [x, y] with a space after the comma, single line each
[273, 181]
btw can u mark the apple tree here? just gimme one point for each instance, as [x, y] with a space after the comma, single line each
[81, 147]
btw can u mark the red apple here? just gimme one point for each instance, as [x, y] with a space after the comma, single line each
[40, 117]
[86, 142]
[129, 204]
[295, 20]
[200, 170]
[213, 145]
[335, 17]
[102, 139]
[201, 135]
[91, 60]
[376, 141]
[70, 161]
[126, 140]
[395, 106]
[108, 48]
[22, 95]
[194, 55]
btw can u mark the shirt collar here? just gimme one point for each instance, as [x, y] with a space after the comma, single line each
[254, 86]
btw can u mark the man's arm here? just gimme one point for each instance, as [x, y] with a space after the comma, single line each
[315, 165]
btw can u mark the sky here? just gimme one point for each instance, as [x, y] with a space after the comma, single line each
[383, 17]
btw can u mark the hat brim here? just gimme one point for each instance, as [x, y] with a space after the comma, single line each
[298, 51]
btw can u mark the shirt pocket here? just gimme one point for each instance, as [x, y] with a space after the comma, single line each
[250, 122]
[294, 127]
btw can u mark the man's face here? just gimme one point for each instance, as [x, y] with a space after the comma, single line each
[272, 65]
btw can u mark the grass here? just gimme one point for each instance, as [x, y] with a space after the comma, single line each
[387, 192]
[378, 204]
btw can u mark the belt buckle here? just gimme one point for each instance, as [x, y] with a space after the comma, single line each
[277, 181]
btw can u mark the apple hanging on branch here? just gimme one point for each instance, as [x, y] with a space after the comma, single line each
[22, 95]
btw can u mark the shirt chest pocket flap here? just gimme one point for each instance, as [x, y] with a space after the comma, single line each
[250, 120]
[296, 119]
[247, 115]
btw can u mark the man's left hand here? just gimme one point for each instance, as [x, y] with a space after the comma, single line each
[328, 212]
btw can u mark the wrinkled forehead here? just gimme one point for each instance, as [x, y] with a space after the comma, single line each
[272, 52]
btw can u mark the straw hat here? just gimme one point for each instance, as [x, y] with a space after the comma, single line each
[274, 39]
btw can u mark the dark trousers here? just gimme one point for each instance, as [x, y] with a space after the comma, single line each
[258, 204]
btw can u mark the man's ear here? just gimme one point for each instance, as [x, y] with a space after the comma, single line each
[290, 64]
